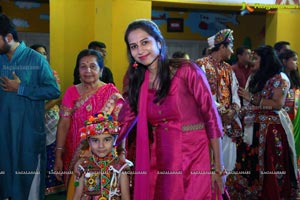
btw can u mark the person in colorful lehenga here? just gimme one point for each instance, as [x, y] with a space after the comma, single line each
[266, 165]
[173, 99]
[102, 173]
[224, 87]
[289, 60]
[79, 102]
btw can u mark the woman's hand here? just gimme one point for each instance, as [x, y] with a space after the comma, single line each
[244, 94]
[218, 180]
[58, 167]
[122, 156]
[228, 116]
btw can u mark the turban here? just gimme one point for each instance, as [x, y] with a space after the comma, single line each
[223, 36]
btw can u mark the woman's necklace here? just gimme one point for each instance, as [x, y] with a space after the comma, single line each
[103, 164]
[84, 88]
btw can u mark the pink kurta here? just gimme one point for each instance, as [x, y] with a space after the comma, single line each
[182, 125]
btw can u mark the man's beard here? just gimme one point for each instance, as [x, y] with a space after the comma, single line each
[5, 48]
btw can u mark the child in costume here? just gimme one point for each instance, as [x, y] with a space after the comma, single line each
[102, 172]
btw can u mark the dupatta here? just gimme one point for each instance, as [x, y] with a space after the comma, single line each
[142, 162]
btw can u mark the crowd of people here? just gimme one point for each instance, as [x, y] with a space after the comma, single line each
[192, 129]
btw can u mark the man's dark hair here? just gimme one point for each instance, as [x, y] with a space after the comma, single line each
[240, 50]
[279, 45]
[7, 26]
[95, 44]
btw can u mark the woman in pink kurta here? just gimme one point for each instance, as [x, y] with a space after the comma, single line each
[174, 101]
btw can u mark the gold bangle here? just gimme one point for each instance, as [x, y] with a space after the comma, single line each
[221, 173]
[59, 148]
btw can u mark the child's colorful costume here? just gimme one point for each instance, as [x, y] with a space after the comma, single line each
[101, 174]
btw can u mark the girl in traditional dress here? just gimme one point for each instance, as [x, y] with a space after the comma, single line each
[289, 60]
[266, 161]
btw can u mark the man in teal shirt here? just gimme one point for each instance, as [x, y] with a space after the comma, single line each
[26, 81]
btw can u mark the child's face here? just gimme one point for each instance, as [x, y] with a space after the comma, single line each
[102, 144]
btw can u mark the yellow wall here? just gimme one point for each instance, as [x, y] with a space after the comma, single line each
[124, 12]
[72, 29]
[283, 25]
[112, 19]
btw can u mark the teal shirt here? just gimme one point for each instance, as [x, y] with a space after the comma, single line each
[22, 131]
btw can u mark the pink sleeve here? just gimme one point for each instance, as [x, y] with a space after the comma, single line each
[118, 106]
[126, 118]
[68, 101]
[198, 85]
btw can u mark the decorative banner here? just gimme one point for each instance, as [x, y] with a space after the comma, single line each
[175, 25]
[204, 23]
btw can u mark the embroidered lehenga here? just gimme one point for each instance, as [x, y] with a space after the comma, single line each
[266, 161]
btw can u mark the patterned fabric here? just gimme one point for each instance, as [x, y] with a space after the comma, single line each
[51, 122]
[223, 85]
[104, 99]
[220, 37]
[102, 177]
[291, 102]
[296, 124]
[52, 184]
[219, 78]
[292, 108]
[264, 169]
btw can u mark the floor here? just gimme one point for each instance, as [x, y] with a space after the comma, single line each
[58, 196]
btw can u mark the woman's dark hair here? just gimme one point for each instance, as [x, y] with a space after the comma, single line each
[36, 46]
[137, 75]
[269, 66]
[83, 53]
[293, 75]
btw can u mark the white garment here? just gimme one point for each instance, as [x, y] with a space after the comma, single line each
[229, 153]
